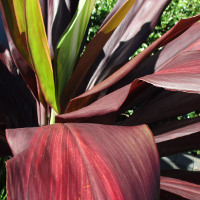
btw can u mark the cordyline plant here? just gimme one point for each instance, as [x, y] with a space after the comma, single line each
[81, 148]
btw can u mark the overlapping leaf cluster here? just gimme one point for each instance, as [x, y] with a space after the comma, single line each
[88, 153]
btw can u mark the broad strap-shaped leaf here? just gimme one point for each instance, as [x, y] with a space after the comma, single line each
[95, 162]
[175, 124]
[92, 94]
[11, 12]
[105, 109]
[190, 176]
[60, 14]
[20, 136]
[158, 105]
[127, 38]
[13, 15]
[39, 51]
[154, 63]
[179, 140]
[17, 106]
[152, 105]
[124, 42]
[182, 188]
[91, 52]
[181, 74]
[69, 45]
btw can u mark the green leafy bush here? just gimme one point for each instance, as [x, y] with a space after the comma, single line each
[101, 10]
[175, 11]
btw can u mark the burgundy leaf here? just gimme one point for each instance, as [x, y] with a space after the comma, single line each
[171, 125]
[155, 63]
[182, 188]
[92, 94]
[152, 105]
[161, 105]
[105, 109]
[86, 161]
[19, 139]
[7, 59]
[16, 102]
[179, 140]
[190, 176]
[126, 39]
[182, 73]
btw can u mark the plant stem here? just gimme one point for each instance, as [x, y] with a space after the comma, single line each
[53, 114]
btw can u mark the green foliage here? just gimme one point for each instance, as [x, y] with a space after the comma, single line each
[99, 13]
[176, 10]
[2, 179]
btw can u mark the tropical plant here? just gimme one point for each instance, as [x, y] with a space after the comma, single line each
[90, 152]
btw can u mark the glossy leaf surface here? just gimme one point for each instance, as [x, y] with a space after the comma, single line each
[92, 94]
[69, 45]
[39, 51]
[91, 52]
[87, 168]
[15, 33]
[13, 13]
[179, 140]
[127, 38]
[182, 188]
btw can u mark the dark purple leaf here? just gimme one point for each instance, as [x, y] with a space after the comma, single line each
[190, 176]
[171, 125]
[154, 63]
[179, 140]
[105, 109]
[19, 139]
[159, 105]
[58, 21]
[92, 94]
[152, 105]
[126, 39]
[17, 106]
[181, 73]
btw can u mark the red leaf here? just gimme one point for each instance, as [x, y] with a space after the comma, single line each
[91, 95]
[179, 140]
[105, 109]
[181, 74]
[86, 161]
[190, 176]
[127, 38]
[182, 188]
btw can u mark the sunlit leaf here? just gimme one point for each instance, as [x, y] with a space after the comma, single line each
[182, 188]
[39, 51]
[69, 45]
[91, 95]
[86, 161]
[91, 52]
